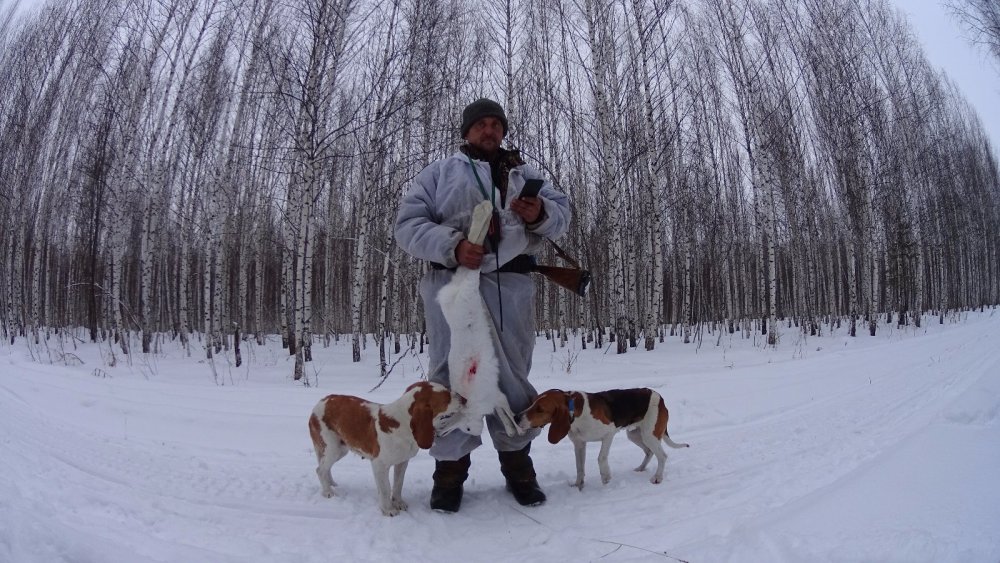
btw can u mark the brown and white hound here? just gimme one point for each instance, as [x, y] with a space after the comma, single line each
[597, 417]
[389, 435]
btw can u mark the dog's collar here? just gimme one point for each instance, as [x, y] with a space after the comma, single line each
[572, 409]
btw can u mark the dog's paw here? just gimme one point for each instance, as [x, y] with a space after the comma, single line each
[578, 484]
[640, 469]
[390, 511]
[656, 479]
[400, 504]
[605, 479]
[327, 493]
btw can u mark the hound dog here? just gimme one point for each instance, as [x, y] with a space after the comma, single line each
[389, 435]
[593, 417]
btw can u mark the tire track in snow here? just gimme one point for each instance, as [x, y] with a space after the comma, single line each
[224, 494]
[747, 470]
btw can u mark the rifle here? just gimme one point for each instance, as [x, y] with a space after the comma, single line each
[575, 279]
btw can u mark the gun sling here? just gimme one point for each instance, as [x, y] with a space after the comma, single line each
[521, 264]
[576, 279]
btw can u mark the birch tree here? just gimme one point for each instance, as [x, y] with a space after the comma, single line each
[313, 85]
[600, 18]
[383, 81]
[654, 142]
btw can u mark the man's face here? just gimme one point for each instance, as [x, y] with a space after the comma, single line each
[486, 134]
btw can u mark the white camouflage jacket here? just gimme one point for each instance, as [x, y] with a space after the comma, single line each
[435, 213]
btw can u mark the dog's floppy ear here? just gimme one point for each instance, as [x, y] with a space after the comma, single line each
[422, 425]
[560, 424]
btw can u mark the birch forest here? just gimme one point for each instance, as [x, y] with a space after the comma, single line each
[218, 172]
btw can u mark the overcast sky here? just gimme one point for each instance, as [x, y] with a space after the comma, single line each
[975, 74]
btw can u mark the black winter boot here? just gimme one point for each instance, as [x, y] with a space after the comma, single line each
[517, 468]
[446, 496]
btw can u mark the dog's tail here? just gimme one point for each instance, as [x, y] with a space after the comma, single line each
[673, 444]
[661, 423]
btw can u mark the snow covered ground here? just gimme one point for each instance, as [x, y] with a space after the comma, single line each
[824, 449]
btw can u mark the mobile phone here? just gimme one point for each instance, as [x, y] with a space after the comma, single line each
[531, 188]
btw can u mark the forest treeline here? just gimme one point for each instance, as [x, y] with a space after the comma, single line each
[181, 168]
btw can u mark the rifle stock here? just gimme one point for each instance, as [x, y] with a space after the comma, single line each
[573, 279]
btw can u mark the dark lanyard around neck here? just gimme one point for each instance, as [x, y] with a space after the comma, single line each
[496, 249]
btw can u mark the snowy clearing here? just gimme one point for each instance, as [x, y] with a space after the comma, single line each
[824, 449]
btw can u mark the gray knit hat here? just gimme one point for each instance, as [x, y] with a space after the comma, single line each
[483, 107]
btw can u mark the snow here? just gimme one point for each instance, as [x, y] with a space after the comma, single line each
[834, 448]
